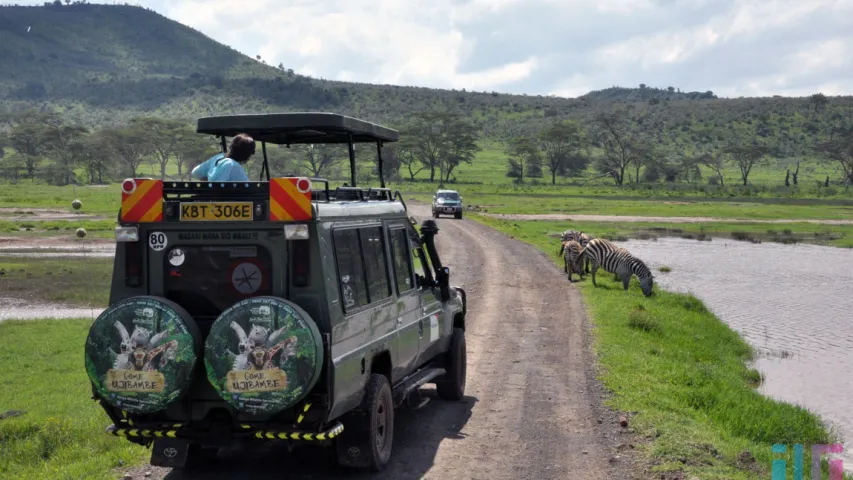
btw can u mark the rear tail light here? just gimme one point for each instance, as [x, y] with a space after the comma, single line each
[133, 264]
[301, 261]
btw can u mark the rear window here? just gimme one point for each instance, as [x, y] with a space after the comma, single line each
[206, 280]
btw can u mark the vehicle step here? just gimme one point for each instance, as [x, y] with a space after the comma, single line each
[417, 380]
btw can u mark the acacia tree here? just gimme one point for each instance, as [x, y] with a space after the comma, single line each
[28, 136]
[524, 156]
[318, 158]
[163, 137]
[459, 146]
[840, 151]
[622, 147]
[129, 144]
[559, 142]
[746, 157]
[65, 142]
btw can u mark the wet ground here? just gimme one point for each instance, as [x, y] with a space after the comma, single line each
[17, 309]
[793, 303]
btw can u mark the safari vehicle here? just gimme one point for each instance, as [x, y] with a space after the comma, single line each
[447, 201]
[273, 311]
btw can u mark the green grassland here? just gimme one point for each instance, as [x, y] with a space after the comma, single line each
[60, 433]
[685, 373]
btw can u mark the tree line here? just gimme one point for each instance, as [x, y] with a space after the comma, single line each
[623, 144]
[627, 145]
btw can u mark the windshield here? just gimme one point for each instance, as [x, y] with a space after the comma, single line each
[448, 196]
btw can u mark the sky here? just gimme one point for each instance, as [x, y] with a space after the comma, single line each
[544, 47]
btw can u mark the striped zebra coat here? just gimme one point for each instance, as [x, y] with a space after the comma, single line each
[572, 258]
[618, 261]
[584, 241]
[569, 235]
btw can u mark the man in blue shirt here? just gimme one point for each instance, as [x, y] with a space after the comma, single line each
[227, 168]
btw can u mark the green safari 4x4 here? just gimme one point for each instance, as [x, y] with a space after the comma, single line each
[273, 311]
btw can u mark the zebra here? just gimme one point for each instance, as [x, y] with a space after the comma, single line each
[612, 258]
[584, 239]
[571, 258]
[566, 236]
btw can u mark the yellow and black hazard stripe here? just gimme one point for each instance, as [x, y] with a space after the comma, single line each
[302, 414]
[307, 436]
[145, 432]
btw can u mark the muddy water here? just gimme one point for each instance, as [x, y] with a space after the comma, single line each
[16, 309]
[793, 303]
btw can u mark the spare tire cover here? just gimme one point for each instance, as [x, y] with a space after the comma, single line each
[140, 353]
[263, 355]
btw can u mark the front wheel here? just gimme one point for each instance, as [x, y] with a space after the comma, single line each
[457, 215]
[452, 385]
[369, 430]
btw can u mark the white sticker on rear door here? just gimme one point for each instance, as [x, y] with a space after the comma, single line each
[157, 241]
[433, 328]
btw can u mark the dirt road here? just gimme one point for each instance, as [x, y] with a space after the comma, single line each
[533, 409]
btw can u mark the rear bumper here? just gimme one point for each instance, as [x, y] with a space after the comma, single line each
[186, 432]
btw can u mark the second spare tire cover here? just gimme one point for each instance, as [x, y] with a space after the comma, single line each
[140, 353]
[263, 355]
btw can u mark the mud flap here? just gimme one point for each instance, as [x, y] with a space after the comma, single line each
[169, 452]
[353, 445]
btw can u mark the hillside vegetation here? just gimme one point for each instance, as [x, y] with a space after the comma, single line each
[87, 91]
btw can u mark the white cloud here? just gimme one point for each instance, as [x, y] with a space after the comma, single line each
[563, 47]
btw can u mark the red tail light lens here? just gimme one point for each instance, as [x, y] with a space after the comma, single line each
[133, 264]
[301, 261]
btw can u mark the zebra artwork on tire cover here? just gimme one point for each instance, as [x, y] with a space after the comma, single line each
[617, 260]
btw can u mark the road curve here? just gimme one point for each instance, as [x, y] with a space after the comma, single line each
[533, 409]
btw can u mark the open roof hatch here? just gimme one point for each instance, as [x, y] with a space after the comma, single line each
[301, 128]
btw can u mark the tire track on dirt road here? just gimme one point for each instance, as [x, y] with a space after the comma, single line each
[532, 405]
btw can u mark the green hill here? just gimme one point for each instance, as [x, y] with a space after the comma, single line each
[103, 64]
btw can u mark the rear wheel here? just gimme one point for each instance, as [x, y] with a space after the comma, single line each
[452, 385]
[369, 430]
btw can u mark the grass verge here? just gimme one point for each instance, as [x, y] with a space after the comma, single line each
[60, 433]
[76, 280]
[810, 233]
[684, 375]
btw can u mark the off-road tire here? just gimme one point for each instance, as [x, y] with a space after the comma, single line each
[435, 214]
[451, 387]
[457, 216]
[369, 429]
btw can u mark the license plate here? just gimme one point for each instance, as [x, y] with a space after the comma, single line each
[217, 211]
[448, 210]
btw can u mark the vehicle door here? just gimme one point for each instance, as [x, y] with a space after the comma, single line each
[430, 312]
[408, 303]
[366, 299]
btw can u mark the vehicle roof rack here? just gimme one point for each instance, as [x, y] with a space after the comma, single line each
[298, 128]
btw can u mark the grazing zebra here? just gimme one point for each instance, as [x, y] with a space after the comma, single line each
[568, 235]
[619, 261]
[571, 258]
[584, 240]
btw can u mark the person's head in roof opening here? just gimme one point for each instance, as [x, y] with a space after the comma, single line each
[242, 148]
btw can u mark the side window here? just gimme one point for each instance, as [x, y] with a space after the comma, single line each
[373, 246]
[402, 260]
[350, 269]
